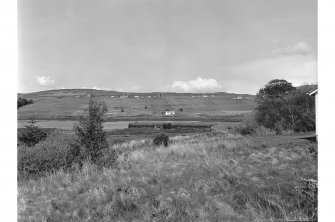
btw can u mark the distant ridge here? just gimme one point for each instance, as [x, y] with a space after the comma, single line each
[95, 92]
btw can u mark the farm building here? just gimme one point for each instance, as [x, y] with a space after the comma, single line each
[238, 98]
[169, 112]
[315, 93]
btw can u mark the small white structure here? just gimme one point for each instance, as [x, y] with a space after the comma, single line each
[238, 98]
[204, 96]
[123, 96]
[136, 96]
[112, 96]
[315, 93]
[169, 112]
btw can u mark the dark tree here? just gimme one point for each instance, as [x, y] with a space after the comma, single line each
[89, 132]
[32, 134]
[282, 106]
[23, 102]
[276, 88]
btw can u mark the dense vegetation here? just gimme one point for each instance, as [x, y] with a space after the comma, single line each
[32, 134]
[284, 107]
[161, 139]
[90, 136]
[23, 102]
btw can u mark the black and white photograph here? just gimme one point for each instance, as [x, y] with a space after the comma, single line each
[167, 110]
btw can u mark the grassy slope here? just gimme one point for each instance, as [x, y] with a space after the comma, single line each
[198, 178]
[64, 103]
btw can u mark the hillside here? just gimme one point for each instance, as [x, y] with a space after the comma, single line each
[68, 103]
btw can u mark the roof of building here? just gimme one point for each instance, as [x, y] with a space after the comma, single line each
[314, 92]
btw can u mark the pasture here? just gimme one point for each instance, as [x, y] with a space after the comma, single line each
[68, 104]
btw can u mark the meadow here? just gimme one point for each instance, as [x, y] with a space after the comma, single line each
[68, 104]
[217, 175]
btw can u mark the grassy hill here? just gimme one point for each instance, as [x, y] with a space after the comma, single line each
[68, 103]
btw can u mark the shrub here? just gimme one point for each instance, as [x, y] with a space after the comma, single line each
[181, 109]
[32, 134]
[245, 130]
[90, 136]
[161, 139]
[23, 102]
[122, 110]
[145, 107]
[49, 155]
[167, 126]
[284, 107]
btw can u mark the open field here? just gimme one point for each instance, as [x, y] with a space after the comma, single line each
[199, 177]
[68, 104]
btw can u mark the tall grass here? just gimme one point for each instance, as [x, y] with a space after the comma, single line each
[196, 178]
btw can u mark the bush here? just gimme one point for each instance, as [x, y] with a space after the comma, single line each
[245, 130]
[284, 107]
[145, 107]
[167, 126]
[32, 134]
[49, 155]
[181, 109]
[23, 102]
[90, 136]
[122, 110]
[161, 139]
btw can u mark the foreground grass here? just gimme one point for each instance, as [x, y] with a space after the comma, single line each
[197, 178]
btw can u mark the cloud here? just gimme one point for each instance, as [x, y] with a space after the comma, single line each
[98, 88]
[250, 77]
[197, 85]
[45, 80]
[300, 48]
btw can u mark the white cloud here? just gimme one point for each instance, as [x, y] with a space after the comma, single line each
[45, 80]
[250, 77]
[197, 85]
[300, 48]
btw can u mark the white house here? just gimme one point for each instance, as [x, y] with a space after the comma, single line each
[315, 93]
[238, 98]
[169, 112]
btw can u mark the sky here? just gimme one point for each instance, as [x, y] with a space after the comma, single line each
[165, 45]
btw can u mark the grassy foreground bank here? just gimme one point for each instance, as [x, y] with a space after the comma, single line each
[221, 177]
